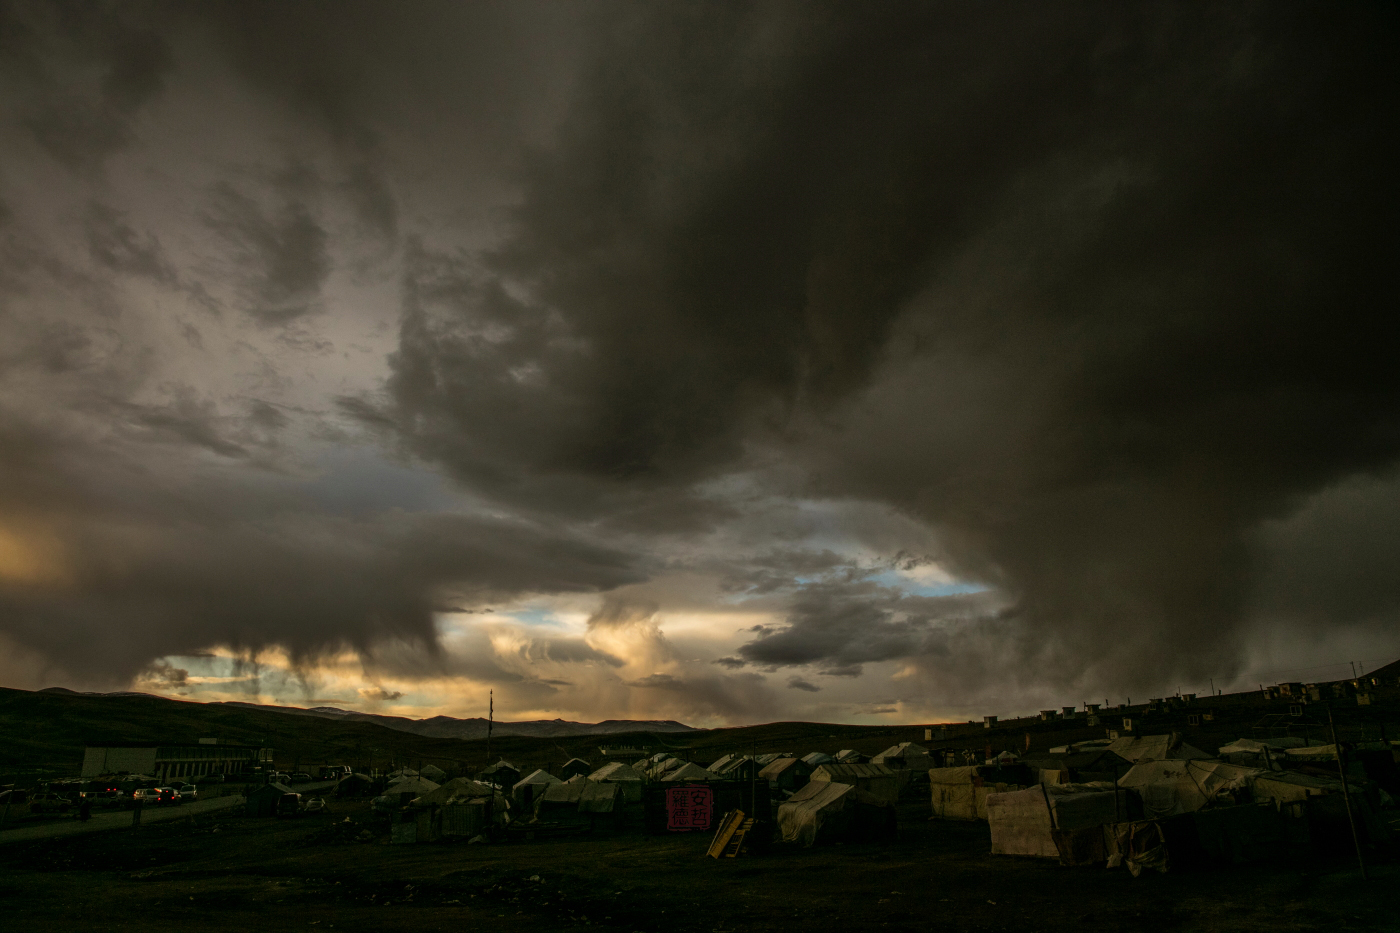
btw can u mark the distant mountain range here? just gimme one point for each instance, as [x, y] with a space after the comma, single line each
[446, 727]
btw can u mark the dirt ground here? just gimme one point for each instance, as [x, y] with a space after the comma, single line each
[226, 872]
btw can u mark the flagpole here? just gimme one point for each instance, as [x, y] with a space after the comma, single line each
[490, 721]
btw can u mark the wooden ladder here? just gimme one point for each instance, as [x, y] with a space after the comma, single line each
[729, 838]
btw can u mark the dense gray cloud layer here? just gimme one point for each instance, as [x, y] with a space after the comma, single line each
[1096, 299]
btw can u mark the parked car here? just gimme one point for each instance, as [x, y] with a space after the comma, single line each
[289, 805]
[315, 805]
[97, 796]
[156, 796]
[280, 777]
[301, 777]
[49, 803]
[189, 793]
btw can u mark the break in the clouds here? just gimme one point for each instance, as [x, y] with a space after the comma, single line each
[713, 361]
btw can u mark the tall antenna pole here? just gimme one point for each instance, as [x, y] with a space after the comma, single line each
[490, 722]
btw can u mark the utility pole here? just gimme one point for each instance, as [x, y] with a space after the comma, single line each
[490, 722]
[1346, 793]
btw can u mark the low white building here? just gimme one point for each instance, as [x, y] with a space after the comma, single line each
[171, 762]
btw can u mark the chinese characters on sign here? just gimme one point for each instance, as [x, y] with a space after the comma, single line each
[689, 808]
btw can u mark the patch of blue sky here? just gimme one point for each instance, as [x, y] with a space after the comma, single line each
[913, 587]
[535, 617]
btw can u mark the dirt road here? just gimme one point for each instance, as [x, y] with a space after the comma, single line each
[121, 819]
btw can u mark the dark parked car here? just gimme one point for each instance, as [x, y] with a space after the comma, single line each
[156, 796]
[301, 777]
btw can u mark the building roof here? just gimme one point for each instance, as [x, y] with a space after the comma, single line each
[837, 771]
[775, 768]
[263, 789]
[412, 785]
[455, 790]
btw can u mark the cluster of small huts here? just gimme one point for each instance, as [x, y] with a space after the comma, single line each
[1141, 802]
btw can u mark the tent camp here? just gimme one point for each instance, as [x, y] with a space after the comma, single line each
[688, 771]
[666, 767]
[433, 773]
[615, 772]
[1171, 787]
[904, 755]
[531, 786]
[1079, 767]
[1027, 822]
[829, 811]
[786, 774]
[574, 766]
[876, 780]
[402, 773]
[1156, 747]
[850, 756]
[817, 758]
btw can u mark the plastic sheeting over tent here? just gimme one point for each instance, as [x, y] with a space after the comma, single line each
[1169, 788]
[827, 811]
[1156, 747]
[816, 759]
[433, 773]
[961, 793]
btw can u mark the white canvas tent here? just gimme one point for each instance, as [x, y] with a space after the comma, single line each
[532, 786]
[433, 773]
[877, 780]
[417, 786]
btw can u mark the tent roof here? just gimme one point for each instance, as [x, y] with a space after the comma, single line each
[538, 776]
[279, 788]
[817, 758]
[854, 772]
[455, 789]
[778, 767]
[1156, 747]
[412, 785]
[689, 772]
[615, 772]
[904, 750]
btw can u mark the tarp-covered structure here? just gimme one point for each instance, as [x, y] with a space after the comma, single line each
[462, 807]
[1034, 821]
[433, 773]
[829, 811]
[1157, 747]
[1173, 786]
[615, 772]
[961, 793]
[876, 780]
[813, 759]
[569, 801]
[502, 773]
[852, 757]
[904, 755]
[355, 785]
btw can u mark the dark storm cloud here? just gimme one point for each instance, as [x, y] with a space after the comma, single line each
[85, 70]
[115, 245]
[281, 253]
[144, 560]
[1095, 290]
[797, 683]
